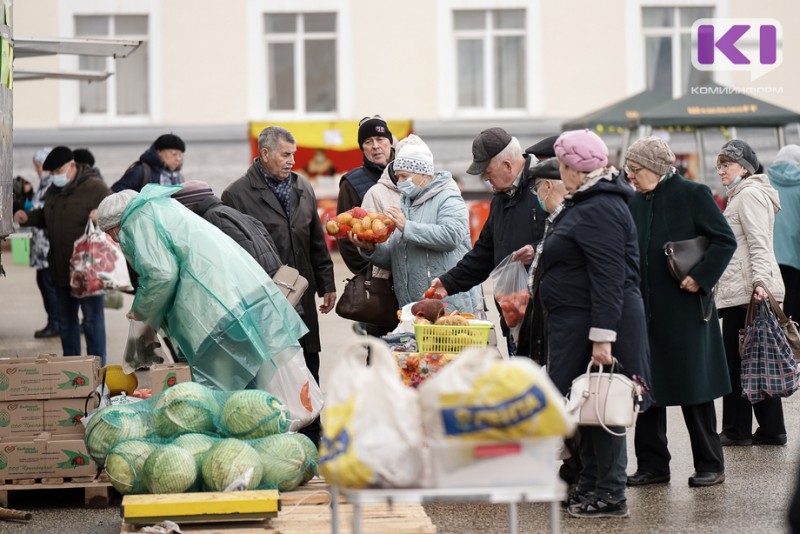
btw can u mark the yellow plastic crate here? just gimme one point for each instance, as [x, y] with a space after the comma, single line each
[450, 339]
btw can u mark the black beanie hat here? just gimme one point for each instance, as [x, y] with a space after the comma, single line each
[82, 155]
[740, 152]
[373, 127]
[168, 142]
[57, 158]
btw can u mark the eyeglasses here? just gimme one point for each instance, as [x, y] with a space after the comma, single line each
[633, 170]
[536, 186]
[724, 166]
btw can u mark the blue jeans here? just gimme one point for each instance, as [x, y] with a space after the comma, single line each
[605, 459]
[44, 279]
[70, 327]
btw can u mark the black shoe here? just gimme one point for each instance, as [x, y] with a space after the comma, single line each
[575, 497]
[729, 442]
[643, 478]
[706, 479]
[46, 332]
[761, 439]
[599, 508]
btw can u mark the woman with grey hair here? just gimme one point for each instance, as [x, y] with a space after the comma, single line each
[751, 209]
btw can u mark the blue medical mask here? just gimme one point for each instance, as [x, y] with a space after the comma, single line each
[409, 188]
[60, 180]
[733, 183]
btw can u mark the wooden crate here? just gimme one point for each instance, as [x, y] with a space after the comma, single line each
[307, 511]
[96, 490]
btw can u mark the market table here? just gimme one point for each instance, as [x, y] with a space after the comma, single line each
[511, 496]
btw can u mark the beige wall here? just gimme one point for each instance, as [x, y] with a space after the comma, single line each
[206, 79]
[584, 65]
[394, 59]
[205, 65]
[36, 103]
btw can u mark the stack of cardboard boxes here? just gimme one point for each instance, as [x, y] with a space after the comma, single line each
[42, 402]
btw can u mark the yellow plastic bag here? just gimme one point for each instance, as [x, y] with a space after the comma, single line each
[372, 431]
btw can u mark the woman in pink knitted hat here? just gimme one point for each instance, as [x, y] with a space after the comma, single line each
[590, 291]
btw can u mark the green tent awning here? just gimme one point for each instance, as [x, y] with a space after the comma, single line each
[618, 116]
[717, 105]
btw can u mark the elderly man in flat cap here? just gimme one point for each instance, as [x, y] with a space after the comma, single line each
[516, 220]
[69, 203]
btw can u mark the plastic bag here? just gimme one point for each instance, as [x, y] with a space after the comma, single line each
[142, 349]
[372, 432]
[510, 281]
[481, 396]
[97, 264]
[294, 384]
[373, 227]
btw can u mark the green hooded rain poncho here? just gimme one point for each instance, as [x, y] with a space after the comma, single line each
[206, 293]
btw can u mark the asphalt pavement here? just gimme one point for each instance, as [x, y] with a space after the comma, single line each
[754, 498]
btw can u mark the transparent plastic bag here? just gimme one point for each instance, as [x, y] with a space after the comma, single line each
[510, 281]
[142, 349]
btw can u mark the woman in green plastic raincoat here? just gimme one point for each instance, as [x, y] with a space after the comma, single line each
[202, 290]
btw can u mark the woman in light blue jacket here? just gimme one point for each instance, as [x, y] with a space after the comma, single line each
[432, 232]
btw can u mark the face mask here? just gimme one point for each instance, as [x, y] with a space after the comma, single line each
[733, 183]
[541, 200]
[60, 180]
[408, 188]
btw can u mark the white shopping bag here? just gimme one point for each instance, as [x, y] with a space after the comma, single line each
[372, 430]
[294, 385]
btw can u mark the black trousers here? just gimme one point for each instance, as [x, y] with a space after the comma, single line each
[737, 412]
[791, 302]
[650, 440]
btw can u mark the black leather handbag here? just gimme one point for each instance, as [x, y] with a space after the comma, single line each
[682, 256]
[369, 300]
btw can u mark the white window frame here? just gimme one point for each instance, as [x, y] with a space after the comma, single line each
[448, 56]
[69, 91]
[258, 97]
[636, 35]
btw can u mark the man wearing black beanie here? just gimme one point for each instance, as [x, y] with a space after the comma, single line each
[159, 164]
[375, 141]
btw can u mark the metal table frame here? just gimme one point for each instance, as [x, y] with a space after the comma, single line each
[511, 496]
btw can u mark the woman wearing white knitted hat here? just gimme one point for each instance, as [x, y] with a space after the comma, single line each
[432, 232]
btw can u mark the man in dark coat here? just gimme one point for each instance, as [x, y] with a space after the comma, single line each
[687, 355]
[285, 203]
[516, 220]
[375, 142]
[69, 203]
[159, 164]
[247, 231]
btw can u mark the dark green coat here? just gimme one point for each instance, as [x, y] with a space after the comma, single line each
[687, 356]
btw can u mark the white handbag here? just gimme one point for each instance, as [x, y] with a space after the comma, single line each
[605, 399]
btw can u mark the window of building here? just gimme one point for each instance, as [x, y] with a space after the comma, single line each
[668, 49]
[126, 93]
[301, 62]
[490, 58]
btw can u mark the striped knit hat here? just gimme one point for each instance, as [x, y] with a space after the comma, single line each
[192, 193]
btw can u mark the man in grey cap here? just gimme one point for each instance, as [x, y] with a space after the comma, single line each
[515, 223]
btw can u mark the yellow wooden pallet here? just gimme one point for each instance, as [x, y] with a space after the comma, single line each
[307, 511]
[205, 506]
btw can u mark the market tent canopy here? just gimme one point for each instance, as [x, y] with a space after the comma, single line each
[717, 105]
[618, 116]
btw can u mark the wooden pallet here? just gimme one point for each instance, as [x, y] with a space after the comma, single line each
[307, 511]
[96, 490]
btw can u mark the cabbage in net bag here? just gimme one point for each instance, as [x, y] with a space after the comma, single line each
[192, 438]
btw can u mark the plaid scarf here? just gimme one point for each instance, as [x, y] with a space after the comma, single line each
[281, 188]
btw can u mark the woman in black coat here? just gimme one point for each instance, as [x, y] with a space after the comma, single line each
[687, 356]
[590, 294]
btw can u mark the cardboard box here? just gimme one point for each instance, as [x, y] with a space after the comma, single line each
[48, 377]
[45, 456]
[465, 463]
[166, 375]
[32, 417]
